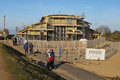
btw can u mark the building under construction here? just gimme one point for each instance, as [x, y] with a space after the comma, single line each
[58, 27]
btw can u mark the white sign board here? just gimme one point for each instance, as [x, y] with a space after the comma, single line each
[95, 54]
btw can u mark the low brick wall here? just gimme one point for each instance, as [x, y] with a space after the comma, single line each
[67, 44]
[70, 49]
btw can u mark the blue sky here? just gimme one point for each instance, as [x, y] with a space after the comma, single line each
[26, 12]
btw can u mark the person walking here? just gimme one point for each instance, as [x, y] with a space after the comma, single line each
[21, 41]
[48, 52]
[15, 41]
[59, 53]
[31, 48]
[51, 58]
[26, 48]
[52, 54]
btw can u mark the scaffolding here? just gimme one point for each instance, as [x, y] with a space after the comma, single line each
[58, 28]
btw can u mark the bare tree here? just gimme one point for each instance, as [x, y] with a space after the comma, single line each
[6, 32]
[103, 29]
[1, 32]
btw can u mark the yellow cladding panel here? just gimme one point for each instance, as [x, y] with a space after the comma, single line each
[56, 21]
[20, 32]
[34, 32]
[46, 19]
[44, 26]
[73, 21]
[69, 32]
[71, 28]
[37, 26]
[37, 33]
[29, 27]
[28, 32]
[62, 21]
[75, 28]
[66, 36]
[51, 21]
[44, 33]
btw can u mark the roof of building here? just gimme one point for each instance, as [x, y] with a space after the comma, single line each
[64, 15]
[61, 15]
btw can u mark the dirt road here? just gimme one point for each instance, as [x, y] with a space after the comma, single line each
[63, 69]
[107, 68]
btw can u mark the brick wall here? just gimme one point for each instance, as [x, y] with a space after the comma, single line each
[70, 49]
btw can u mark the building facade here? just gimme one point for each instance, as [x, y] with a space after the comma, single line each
[58, 27]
